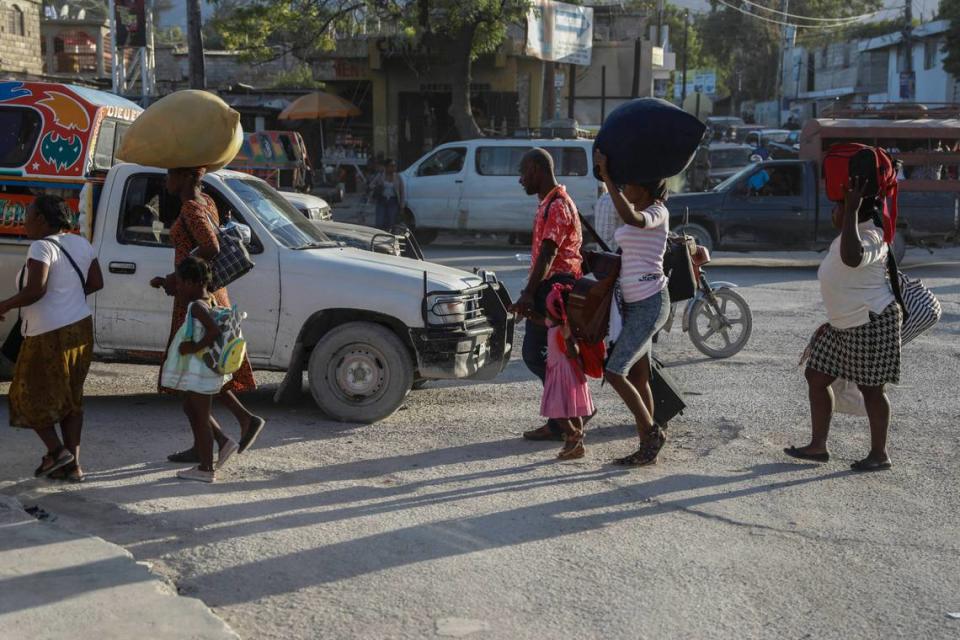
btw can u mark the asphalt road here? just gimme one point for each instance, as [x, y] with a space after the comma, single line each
[442, 522]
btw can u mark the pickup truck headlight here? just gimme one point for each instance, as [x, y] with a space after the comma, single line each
[446, 309]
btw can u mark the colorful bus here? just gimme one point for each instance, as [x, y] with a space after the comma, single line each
[56, 139]
[278, 157]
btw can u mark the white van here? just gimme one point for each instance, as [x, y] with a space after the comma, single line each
[473, 185]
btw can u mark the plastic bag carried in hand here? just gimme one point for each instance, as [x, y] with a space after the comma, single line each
[184, 129]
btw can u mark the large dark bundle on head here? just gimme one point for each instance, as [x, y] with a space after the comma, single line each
[648, 139]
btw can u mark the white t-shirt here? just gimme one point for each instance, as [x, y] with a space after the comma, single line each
[851, 293]
[641, 272]
[606, 221]
[65, 301]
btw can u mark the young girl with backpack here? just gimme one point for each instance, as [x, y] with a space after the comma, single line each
[566, 395]
[184, 370]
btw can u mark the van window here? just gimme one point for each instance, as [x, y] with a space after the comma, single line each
[569, 161]
[500, 161]
[19, 130]
[443, 162]
[106, 143]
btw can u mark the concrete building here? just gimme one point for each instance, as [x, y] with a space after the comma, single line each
[76, 48]
[870, 72]
[20, 55]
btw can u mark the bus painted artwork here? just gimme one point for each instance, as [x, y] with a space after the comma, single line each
[279, 157]
[54, 138]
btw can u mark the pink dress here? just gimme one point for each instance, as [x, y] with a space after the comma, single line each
[565, 392]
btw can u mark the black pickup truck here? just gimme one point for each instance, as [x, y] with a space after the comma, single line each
[778, 206]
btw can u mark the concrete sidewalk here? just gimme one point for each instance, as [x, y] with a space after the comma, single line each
[56, 584]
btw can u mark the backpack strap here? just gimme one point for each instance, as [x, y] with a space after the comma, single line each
[583, 221]
[66, 253]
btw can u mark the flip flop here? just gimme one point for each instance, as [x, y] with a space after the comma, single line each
[871, 465]
[793, 452]
[256, 426]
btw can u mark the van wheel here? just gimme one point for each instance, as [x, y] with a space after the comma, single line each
[423, 236]
[360, 372]
[699, 233]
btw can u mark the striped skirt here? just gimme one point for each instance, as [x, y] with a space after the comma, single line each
[867, 355]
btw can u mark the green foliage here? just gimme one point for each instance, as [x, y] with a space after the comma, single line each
[950, 10]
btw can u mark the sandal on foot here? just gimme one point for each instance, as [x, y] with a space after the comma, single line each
[573, 449]
[253, 431]
[648, 452]
[871, 465]
[68, 473]
[53, 461]
[794, 452]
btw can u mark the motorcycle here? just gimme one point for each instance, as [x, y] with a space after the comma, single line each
[717, 319]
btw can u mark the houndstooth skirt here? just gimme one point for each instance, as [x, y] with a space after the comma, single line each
[867, 355]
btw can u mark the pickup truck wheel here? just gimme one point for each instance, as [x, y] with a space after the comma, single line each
[699, 233]
[360, 372]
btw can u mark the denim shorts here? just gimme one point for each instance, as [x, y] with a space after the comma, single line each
[641, 321]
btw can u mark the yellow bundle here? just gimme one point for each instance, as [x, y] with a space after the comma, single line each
[184, 129]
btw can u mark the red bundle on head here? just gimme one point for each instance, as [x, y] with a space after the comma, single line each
[872, 164]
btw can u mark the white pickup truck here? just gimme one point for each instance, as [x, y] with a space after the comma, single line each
[365, 326]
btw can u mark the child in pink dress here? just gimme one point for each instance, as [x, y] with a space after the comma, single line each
[566, 396]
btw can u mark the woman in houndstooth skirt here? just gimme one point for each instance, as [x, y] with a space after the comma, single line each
[861, 341]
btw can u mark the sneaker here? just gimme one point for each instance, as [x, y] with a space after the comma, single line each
[194, 473]
[226, 452]
[53, 461]
[256, 426]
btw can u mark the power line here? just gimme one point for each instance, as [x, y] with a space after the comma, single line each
[793, 15]
[829, 27]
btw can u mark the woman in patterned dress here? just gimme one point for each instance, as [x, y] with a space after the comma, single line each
[194, 229]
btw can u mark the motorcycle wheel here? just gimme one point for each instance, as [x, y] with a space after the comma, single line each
[723, 335]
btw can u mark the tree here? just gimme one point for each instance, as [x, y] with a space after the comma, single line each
[751, 59]
[442, 37]
[951, 11]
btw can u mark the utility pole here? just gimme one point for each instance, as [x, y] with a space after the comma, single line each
[637, 49]
[686, 29]
[549, 91]
[780, 66]
[907, 89]
[198, 75]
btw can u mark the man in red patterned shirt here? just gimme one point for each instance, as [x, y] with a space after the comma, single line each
[556, 258]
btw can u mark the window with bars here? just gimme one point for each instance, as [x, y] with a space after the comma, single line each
[14, 24]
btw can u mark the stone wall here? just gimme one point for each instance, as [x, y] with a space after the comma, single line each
[20, 38]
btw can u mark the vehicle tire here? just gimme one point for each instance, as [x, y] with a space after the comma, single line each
[423, 236]
[707, 331]
[360, 372]
[699, 233]
[899, 245]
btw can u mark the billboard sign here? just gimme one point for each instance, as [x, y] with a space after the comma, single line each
[131, 21]
[698, 81]
[559, 32]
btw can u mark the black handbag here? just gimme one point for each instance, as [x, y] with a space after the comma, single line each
[11, 346]
[232, 262]
[667, 396]
[13, 343]
[678, 267]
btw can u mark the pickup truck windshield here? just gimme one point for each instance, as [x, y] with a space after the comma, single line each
[287, 225]
[732, 180]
